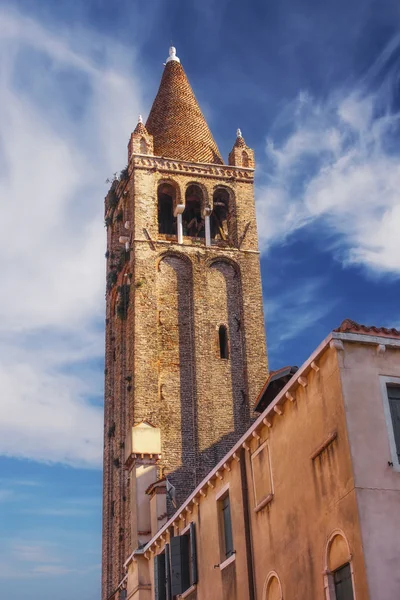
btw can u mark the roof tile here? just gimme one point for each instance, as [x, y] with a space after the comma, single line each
[349, 326]
[176, 122]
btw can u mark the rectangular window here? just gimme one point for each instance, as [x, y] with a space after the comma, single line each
[159, 577]
[343, 583]
[180, 564]
[393, 392]
[261, 471]
[226, 526]
[190, 532]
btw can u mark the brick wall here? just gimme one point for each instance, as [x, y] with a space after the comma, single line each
[162, 356]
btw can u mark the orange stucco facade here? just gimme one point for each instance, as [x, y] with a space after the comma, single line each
[311, 487]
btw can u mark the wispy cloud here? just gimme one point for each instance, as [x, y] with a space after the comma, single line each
[68, 101]
[19, 482]
[293, 311]
[6, 495]
[339, 164]
[36, 553]
[57, 512]
[24, 560]
[51, 570]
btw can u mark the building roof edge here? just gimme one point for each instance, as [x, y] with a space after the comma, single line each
[361, 338]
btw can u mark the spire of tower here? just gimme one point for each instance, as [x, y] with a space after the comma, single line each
[140, 128]
[176, 122]
[172, 55]
[240, 143]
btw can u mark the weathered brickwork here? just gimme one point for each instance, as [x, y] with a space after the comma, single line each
[165, 304]
[179, 128]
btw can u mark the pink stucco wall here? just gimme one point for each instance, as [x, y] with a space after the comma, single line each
[377, 484]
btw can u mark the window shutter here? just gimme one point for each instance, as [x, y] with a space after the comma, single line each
[159, 577]
[168, 572]
[394, 403]
[193, 554]
[180, 576]
[343, 583]
[226, 509]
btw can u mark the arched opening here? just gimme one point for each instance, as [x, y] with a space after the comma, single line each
[220, 215]
[272, 588]
[338, 568]
[166, 219]
[192, 219]
[245, 159]
[223, 341]
[143, 146]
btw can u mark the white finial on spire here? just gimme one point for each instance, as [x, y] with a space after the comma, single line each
[140, 119]
[239, 133]
[172, 55]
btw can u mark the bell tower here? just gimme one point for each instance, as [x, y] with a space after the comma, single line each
[185, 338]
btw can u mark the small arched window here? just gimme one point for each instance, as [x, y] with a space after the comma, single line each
[223, 341]
[143, 146]
[166, 219]
[245, 159]
[192, 219]
[220, 215]
[338, 572]
[272, 588]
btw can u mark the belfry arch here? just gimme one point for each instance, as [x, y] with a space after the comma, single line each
[192, 218]
[222, 216]
[167, 198]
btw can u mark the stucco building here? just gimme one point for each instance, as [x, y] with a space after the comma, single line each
[306, 505]
[185, 337]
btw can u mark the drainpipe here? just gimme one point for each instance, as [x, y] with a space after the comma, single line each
[247, 526]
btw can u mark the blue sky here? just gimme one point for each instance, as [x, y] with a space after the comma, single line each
[313, 86]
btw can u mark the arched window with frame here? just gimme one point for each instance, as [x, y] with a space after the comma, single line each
[272, 587]
[338, 568]
[220, 215]
[245, 159]
[192, 218]
[166, 198]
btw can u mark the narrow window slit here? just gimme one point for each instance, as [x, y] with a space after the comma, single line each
[223, 341]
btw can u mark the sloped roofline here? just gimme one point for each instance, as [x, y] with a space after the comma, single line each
[335, 339]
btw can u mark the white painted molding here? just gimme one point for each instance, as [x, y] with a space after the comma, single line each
[302, 381]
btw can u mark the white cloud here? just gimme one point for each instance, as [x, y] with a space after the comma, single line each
[339, 165]
[69, 100]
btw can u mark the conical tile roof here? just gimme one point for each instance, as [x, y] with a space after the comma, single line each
[176, 122]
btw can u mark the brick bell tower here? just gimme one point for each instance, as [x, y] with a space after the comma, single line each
[185, 339]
